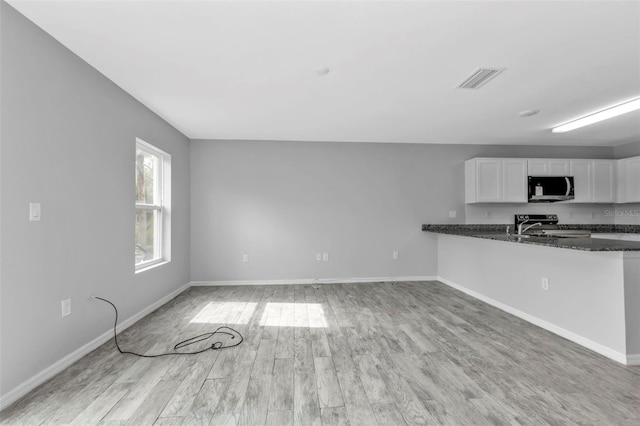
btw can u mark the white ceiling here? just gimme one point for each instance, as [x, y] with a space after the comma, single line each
[247, 70]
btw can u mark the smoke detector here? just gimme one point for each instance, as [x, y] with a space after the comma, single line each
[480, 77]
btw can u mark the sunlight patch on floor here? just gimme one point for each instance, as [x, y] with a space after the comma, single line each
[225, 313]
[274, 314]
[293, 315]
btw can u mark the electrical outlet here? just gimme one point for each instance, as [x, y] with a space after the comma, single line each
[544, 282]
[452, 214]
[245, 257]
[395, 255]
[319, 257]
[66, 307]
[325, 257]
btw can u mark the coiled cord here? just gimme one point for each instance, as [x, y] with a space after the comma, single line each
[217, 345]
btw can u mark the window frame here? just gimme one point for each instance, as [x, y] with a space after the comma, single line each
[160, 207]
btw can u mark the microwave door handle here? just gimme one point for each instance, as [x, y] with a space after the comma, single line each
[568, 186]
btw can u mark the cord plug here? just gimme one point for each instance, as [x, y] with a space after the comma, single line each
[91, 297]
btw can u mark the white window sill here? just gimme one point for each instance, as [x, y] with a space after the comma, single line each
[147, 266]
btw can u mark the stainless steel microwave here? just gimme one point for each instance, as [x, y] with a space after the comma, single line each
[548, 189]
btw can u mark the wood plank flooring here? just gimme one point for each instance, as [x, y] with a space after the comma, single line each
[341, 354]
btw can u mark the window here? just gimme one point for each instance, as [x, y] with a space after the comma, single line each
[152, 205]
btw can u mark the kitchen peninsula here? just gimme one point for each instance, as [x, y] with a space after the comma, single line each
[586, 290]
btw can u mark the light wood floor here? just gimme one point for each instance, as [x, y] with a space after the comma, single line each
[359, 354]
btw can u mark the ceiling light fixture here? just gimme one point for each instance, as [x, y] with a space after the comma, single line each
[598, 116]
[322, 70]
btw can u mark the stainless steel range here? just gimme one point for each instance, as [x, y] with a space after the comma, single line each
[545, 225]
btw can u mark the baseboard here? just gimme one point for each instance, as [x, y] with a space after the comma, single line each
[633, 359]
[313, 281]
[569, 335]
[44, 375]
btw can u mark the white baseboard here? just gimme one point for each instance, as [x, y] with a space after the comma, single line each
[633, 359]
[313, 281]
[27, 386]
[569, 335]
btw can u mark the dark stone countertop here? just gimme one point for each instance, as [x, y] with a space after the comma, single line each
[498, 233]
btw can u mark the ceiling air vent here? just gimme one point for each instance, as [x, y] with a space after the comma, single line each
[480, 77]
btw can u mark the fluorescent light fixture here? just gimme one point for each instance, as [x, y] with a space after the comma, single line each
[596, 117]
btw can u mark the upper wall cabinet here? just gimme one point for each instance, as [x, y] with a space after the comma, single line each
[496, 180]
[504, 180]
[629, 180]
[594, 180]
[582, 172]
[604, 181]
[548, 167]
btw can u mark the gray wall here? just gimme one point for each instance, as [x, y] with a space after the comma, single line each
[627, 150]
[68, 141]
[283, 202]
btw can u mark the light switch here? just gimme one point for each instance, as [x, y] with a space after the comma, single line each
[34, 212]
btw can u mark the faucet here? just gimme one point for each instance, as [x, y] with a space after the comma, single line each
[521, 231]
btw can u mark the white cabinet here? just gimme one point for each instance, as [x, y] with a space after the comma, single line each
[548, 167]
[496, 180]
[582, 172]
[504, 180]
[629, 180]
[538, 167]
[514, 180]
[594, 180]
[604, 181]
[559, 167]
[488, 180]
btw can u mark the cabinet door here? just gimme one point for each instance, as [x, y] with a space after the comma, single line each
[488, 180]
[538, 167]
[604, 188]
[631, 180]
[559, 168]
[582, 172]
[514, 180]
[620, 194]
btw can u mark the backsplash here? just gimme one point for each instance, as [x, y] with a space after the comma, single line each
[606, 214]
[625, 214]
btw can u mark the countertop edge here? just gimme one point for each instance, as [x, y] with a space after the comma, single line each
[498, 233]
